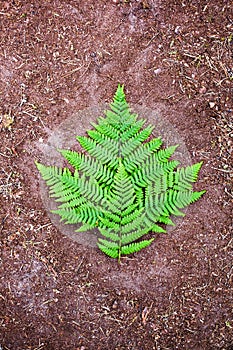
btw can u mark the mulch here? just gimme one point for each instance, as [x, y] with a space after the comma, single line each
[58, 58]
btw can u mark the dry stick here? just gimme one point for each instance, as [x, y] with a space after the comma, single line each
[71, 72]
[34, 116]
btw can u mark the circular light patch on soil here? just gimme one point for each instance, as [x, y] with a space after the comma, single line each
[64, 137]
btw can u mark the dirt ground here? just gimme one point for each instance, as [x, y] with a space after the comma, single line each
[58, 57]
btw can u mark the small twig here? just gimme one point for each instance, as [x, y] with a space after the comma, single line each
[71, 72]
[85, 69]
[3, 223]
[114, 319]
[145, 313]
[210, 63]
[4, 155]
[34, 116]
[39, 228]
[223, 170]
[229, 194]
[153, 37]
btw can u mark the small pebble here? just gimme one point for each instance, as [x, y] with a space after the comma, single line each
[202, 90]
[114, 305]
[157, 71]
[211, 104]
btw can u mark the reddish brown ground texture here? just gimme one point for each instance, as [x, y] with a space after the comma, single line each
[58, 57]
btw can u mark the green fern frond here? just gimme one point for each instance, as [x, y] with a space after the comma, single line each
[85, 227]
[131, 144]
[135, 247]
[132, 130]
[51, 174]
[152, 171]
[112, 252]
[139, 156]
[108, 223]
[109, 244]
[125, 185]
[196, 195]
[164, 154]
[109, 233]
[89, 166]
[122, 190]
[157, 228]
[138, 222]
[86, 214]
[106, 129]
[133, 236]
[185, 176]
[165, 220]
[126, 219]
[103, 154]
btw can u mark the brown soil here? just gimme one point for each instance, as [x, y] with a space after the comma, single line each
[58, 57]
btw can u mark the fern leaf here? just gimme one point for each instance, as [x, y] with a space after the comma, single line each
[103, 140]
[133, 236]
[131, 208]
[112, 216]
[113, 253]
[106, 129]
[62, 184]
[152, 171]
[51, 174]
[140, 155]
[71, 201]
[135, 247]
[85, 227]
[126, 219]
[164, 154]
[132, 130]
[185, 176]
[165, 220]
[196, 195]
[125, 185]
[108, 244]
[103, 154]
[133, 225]
[88, 166]
[158, 229]
[135, 141]
[84, 214]
[109, 223]
[109, 233]
[122, 189]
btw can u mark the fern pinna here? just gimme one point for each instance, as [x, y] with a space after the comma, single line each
[123, 185]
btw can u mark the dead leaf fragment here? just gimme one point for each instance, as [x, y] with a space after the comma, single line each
[6, 121]
[145, 5]
[202, 90]
[145, 314]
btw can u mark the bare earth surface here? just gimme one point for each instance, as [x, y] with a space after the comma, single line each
[61, 57]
